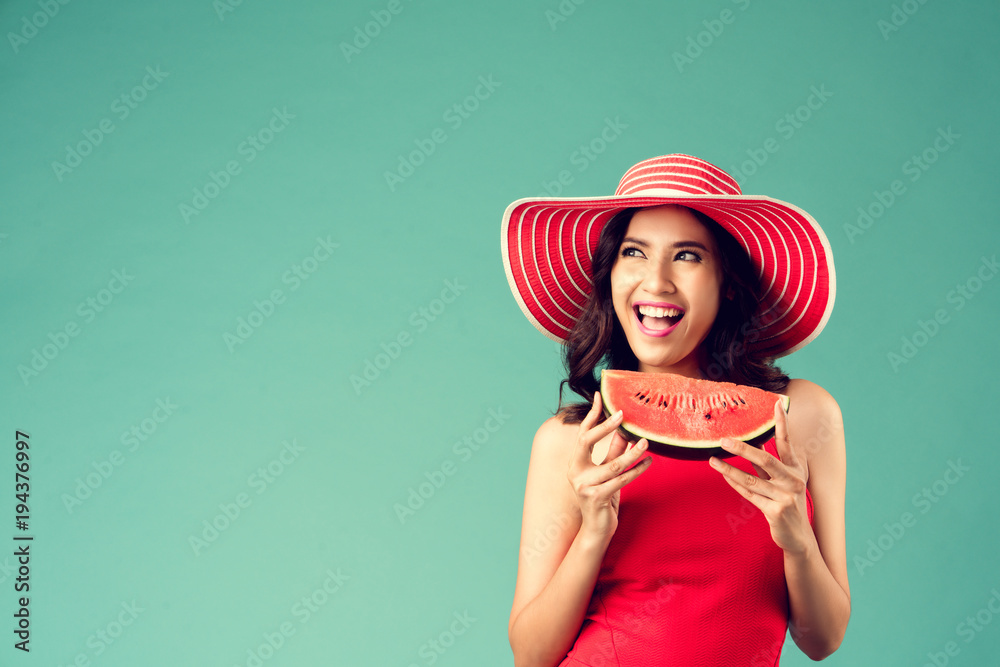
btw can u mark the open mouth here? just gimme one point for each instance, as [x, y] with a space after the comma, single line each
[658, 319]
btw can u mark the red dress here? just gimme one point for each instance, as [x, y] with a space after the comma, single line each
[691, 577]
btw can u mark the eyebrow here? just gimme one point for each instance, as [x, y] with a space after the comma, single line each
[678, 244]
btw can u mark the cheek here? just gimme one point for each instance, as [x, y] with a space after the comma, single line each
[624, 279]
[617, 288]
[621, 288]
[711, 310]
[708, 291]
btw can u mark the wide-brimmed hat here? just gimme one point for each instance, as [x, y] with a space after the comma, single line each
[548, 243]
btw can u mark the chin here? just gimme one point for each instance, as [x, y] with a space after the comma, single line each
[663, 362]
[666, 361]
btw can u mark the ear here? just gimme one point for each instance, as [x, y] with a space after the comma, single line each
[730, 294]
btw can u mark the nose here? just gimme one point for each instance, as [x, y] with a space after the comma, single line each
[659, 278]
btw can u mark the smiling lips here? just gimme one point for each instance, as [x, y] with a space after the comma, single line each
[655, 318]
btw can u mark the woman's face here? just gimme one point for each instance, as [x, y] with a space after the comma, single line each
[665, 286]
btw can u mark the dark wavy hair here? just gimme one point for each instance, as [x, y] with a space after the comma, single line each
[597, 339]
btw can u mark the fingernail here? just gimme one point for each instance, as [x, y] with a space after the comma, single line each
[619, 414]
[642, 445]
[726, 444]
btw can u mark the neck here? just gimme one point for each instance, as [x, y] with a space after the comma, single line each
[688, 368]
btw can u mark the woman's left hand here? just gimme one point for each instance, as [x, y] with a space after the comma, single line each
[778, 489]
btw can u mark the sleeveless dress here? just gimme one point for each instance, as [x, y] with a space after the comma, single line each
[691, 576]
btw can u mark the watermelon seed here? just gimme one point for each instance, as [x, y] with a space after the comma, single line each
[708, 415]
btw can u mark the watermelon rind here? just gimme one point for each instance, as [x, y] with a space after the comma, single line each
[694, 390]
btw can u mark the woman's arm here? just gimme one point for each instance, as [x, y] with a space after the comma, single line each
[810, 444]
[818, 591]
[557, 566]
[570, 515]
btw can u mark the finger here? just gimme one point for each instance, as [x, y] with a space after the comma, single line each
[747, 484]
[596, 415]
[766, 465]
[750, 493]
[781, 441]
[619, 446]
[589, 437]
[618, 465]
[595, 410]
[618, 481]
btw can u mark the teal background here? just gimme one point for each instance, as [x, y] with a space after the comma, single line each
[364, 447]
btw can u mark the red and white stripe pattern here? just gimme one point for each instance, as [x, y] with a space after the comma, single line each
[548, 244]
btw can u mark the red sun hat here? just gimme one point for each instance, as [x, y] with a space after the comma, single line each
[547, 245]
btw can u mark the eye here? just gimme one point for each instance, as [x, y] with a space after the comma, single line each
[631, 251]
[688, 256]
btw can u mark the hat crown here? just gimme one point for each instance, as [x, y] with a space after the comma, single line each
[677, 173]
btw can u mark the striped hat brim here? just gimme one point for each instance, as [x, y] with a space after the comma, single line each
[547, 245]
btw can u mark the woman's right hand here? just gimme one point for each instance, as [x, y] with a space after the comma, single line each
[598, 487]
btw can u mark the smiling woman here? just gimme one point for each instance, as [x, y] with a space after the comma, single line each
[725, 352]
[679, 273]
[665, 287]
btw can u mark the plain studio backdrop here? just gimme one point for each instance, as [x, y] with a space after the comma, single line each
[279, 399]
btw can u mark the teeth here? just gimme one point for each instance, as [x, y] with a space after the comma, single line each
[653, 311]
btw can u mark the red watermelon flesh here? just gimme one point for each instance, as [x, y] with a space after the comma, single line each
[674, 410]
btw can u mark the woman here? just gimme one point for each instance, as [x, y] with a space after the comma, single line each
[636, 558]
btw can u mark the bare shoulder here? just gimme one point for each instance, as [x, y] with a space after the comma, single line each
[554, 433]
[552, 446]
[810, 396]
[558, 440]
[815, 424]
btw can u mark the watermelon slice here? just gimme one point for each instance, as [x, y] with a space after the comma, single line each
[673, 410]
